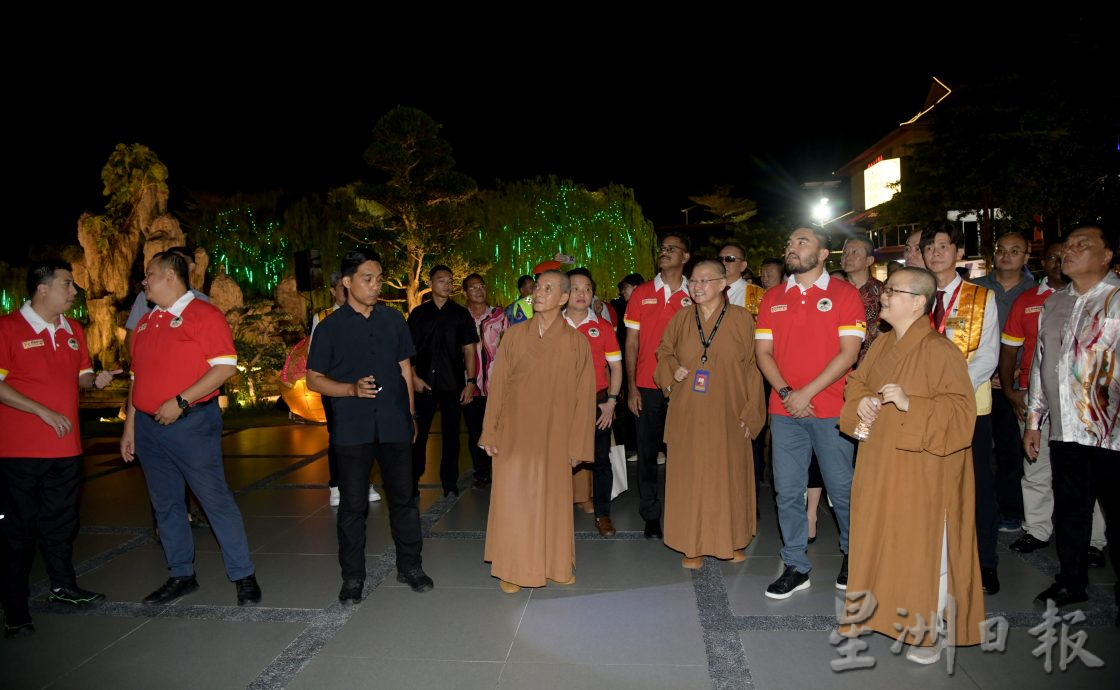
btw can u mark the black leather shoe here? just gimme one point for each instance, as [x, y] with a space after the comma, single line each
[1096, 557]
[653, 529]
[842, 578]
[74, 595]
[1062, 595]
[417, 579]
[351, 591]
[989, 579]
[248, 591]
[1027, 544]
[174, 588]
[197, 519]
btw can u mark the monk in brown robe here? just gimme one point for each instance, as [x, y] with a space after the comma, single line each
[539, 424]
[716, 408]
[913, 525]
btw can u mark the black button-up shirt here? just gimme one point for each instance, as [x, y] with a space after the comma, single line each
[440, 334]
[348, 346]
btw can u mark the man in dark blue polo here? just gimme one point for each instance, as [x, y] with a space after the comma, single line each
[360, 359]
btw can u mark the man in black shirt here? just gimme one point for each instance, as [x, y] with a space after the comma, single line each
[360, 359]
[445, 337]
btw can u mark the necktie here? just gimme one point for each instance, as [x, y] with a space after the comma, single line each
[939, 309]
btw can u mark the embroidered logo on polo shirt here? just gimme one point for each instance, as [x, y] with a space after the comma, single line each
[778, 307]
[593, 332]
[177, 321]
[73, 343]
[650, 301]
[686, 302]
[825, 304]
[28, 344]
[141, 326]
[1033, 310]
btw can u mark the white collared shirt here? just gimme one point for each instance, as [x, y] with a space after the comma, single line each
[38, 324]
[590, 317]
[180, 304]
[737, 293]
[661, 286]
[821, 282]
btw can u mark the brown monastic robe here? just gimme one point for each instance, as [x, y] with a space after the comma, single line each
[540, 415]
[913, 482]
[709, 479]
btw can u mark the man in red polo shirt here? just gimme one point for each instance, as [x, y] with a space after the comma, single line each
[607, 359]
[182, 353]
[808, 337]
[650, 307]
[43, 362]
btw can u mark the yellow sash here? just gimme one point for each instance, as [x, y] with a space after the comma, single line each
[967, 325]
[753, 297]
[325, 313]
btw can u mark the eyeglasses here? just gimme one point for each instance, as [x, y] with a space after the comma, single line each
[703, 283]
[730, 259]
[671, 248]
[888, 291]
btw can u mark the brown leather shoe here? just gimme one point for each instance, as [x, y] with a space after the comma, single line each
[605, 526]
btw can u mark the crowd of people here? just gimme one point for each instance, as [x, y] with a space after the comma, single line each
[933, 410]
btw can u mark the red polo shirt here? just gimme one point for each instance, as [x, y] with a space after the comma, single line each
[1021, 329]
[648, 312]
[173, 348]
[806, 328]
[46, 370]
[604, 345]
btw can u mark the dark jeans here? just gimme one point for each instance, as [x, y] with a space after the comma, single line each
[1009, 458]
[332, 455]
[448, 404]
[354, 465]
[602, 474]
[39, 502]
[651, 432]
[987, 512]
[474, 414]
[1083, 474]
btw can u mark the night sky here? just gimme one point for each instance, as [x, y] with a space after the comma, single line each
[763, 110]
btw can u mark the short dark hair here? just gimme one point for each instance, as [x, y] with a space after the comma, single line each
[1109, 240]
[868, 245]
[187, 252]
[775, 261]
[685, 240]
[735, 245]
[953, 230]
[178, 265]
[440, 267]
[42, 273]
[634, 279]
[923, 282]
[472, 276]
[524, 279]
[356, 258]
[581, 271]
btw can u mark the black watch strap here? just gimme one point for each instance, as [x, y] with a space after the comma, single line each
[784, 393]
[183, 404]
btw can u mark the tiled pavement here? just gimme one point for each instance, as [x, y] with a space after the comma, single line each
[634, 619]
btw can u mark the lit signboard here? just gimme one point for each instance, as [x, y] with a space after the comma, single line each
[877, 179]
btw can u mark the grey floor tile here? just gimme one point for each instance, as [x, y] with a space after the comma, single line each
[746, 586]
[528, 676]
[627, 564]
[133, 575]
[167, 653]
[241, 472]
[1018, 668]
[650, 625]
[445, 624]
[116, 500]
[1020, 583]
[468, 515]
[287, 581]
[328, 671]
[454, 563]
[293, 439]
[60, 645]
[258, 530]
[284, 502]
[86, 546]
[782, 659]
[319, 535]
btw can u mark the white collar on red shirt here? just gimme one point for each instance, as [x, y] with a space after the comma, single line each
[659, 285]
[38, 324]
[180, 304]
[590, 317]
[821, 282]
[1044, 287]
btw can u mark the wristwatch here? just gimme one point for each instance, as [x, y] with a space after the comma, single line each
[183, 404]
[612, 396]
[416, 415]
[784, 393]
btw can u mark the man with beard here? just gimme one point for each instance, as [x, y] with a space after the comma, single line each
[808, 337]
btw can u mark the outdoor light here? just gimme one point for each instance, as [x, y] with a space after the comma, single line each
[820, 211]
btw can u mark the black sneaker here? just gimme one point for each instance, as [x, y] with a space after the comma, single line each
[791, 581]
[17, 623]
[653, 529]
[1027, 544]
[842, 578]
[174, 588]
[417, 579]
[989, 580]
[351, 591]
[74, 595]
[248, 591]
[1096, 557]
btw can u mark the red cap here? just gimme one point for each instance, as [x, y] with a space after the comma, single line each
[543, 266]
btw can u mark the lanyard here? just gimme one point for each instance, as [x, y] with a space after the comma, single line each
[707, 342]
[945, 317]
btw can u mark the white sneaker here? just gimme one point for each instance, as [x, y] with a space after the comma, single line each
[660, 458]
[633, 457]
[335, 497]
[926, 655]
[374, 497]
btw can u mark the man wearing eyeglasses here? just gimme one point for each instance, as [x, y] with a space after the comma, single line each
[651, 306]
[739, 291]
[1007, 282]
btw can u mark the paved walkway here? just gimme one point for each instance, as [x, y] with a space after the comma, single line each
[635, 618]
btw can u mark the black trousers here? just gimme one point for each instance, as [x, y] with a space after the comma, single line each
[1082, 475]
[332, 454]
[987, 512]
[1009, 458]
[651, 432]
[448, 404]
[39, 502]
[354, 465]
[601, 472]
[474, 414]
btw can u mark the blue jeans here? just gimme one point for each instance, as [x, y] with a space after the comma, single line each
[189, 452]
[794, 441]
